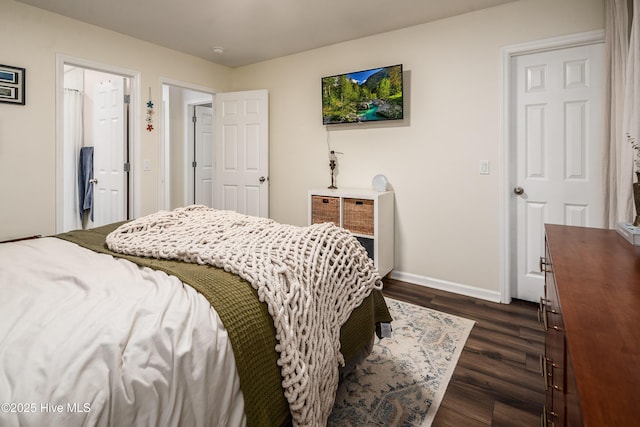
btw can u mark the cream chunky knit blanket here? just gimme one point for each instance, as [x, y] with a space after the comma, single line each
[311, 278]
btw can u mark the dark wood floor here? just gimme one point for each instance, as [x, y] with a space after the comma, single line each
[497, 381]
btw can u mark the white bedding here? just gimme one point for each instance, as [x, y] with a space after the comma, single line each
[112, 344]
[310, 278]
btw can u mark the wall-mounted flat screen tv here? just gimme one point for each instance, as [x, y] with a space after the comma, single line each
[363, 96]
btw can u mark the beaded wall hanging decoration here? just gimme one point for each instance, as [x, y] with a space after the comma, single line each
[150, 112]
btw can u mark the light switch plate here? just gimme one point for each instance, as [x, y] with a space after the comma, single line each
[484, 167]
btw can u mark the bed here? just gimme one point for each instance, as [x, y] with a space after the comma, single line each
[121, 325]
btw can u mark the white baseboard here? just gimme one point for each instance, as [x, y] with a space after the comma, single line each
[443, 285]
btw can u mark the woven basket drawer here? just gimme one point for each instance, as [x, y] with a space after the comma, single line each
[358, 216]
[325, 209]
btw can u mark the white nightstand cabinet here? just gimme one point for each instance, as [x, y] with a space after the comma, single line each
[368, 214]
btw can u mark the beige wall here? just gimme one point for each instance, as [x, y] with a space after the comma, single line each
[446, 212]
[31, 39]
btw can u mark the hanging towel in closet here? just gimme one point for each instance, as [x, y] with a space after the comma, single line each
[85, 175]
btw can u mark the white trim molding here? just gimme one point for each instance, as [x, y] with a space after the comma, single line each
[443, 285]
[507, 171]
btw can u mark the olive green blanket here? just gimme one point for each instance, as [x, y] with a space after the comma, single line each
[249, 325]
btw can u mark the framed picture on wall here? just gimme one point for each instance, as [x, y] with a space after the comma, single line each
[12, 84]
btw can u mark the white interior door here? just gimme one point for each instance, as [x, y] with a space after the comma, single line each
[242, 152]
[559, 132]
[109, 152]
[204, 156]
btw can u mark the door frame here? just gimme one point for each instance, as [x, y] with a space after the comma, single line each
[507, 210]
[190, 143]
[135, 184]
[163, 185]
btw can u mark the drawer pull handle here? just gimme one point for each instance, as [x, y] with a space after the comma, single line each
[548, 373]
[543, 302]
[544, 418]
[359, 203]
[325, 200]
[542, 315]
[540, 360]
[543, 264]
[541, 310]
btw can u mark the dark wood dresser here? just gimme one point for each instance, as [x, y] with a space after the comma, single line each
[591, 312]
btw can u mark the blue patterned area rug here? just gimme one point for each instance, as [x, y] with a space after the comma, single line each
[404, 379]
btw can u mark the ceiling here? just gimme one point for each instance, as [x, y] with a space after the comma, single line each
[251, 31]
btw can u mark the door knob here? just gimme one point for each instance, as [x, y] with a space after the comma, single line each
[518, 190]
[93, 181]
[262, 179]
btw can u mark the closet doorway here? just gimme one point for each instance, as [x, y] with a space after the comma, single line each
[188, 139]
[94, 146]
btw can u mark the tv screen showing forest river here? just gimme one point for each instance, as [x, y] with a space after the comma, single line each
[363, 96]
